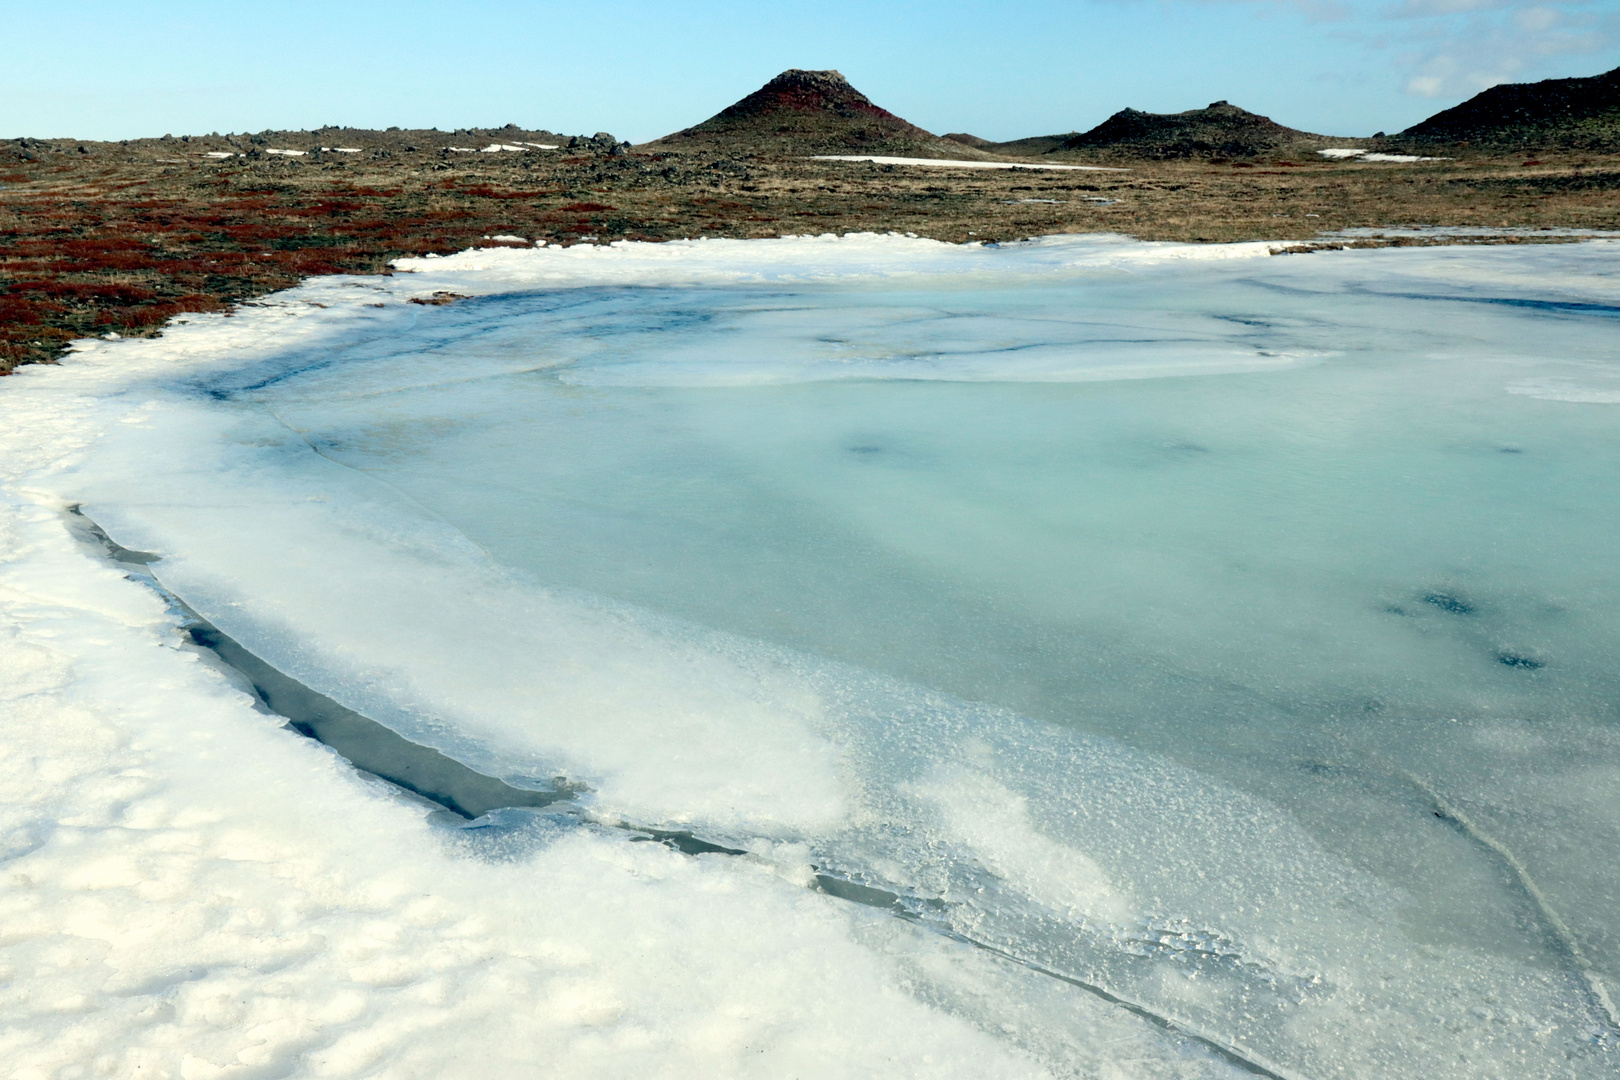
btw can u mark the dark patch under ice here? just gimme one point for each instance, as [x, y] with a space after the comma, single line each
[1450, 604]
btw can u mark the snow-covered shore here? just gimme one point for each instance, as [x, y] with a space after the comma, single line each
[192, 890]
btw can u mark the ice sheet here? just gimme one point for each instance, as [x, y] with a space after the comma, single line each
[192, 891]
[1128, 679]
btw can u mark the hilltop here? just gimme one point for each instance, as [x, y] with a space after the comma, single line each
[1220, 129]
[809, 112]
[1576, 114]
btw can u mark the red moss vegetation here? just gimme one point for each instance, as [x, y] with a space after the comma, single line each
[125, 258]
[91, 257]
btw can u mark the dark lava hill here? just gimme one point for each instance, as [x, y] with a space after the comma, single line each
[811, 112]
[1220, 130]
[1581, 114]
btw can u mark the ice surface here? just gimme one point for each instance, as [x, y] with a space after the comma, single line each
[947, 163]
[1054, 625]
[288, 153]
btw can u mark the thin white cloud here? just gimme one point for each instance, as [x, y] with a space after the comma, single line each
[1452, 57]
[1456, 48]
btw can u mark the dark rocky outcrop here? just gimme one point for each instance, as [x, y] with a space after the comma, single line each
[1218, 130]
[1580, 114]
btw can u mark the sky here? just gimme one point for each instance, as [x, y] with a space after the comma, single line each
[100, 69]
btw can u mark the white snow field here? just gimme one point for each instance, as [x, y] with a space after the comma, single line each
[1073, 658]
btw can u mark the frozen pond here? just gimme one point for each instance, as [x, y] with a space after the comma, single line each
[1189, 662]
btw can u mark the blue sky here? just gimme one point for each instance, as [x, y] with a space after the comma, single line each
[640, 69]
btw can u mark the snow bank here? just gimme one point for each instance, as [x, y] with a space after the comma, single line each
[1353, 154]
[805, 259]
[194, 892]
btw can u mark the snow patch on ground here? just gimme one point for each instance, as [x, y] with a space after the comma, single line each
[483, 271]
[1346, 153]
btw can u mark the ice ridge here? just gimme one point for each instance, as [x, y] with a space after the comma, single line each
[367, 745]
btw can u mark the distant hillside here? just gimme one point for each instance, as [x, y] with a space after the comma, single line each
[1030, 147]
[811, 112]
[1568, 113]
[1221, 129]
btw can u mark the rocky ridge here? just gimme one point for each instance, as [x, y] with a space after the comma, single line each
[1575, 114]
[1220, 129]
